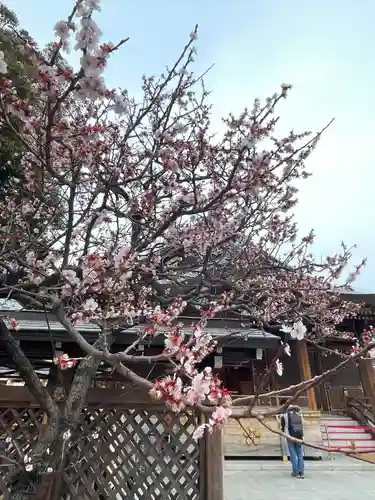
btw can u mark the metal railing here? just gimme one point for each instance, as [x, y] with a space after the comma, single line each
[353, 446]
[360, 410]
[328, 441]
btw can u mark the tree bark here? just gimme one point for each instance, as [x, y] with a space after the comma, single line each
[48, 433]
[72, 411]
[37, 484]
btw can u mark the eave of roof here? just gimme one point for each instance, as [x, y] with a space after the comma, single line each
[34, 327]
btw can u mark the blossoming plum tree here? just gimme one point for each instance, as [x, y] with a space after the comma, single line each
[153, 215]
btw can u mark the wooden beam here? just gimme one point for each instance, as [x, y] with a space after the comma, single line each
[304, 363]
[367, 375]
[214, 465]
[127, 397]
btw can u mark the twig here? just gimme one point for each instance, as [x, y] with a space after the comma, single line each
[305, 385]
[301, 441]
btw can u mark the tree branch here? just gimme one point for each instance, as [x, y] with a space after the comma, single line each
[306, 384]
[25, 369]
[98, 354]
[300, 441]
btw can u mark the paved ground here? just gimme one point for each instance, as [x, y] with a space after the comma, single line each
[260, 484]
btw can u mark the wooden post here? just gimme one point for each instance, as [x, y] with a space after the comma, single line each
[323, 393]
[214, 458]
[304, 362]
[367, 375]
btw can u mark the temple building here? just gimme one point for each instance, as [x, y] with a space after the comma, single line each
[243, 356]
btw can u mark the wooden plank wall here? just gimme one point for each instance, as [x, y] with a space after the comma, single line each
[265, 443]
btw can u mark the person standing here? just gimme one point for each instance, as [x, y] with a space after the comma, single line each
[292, 425]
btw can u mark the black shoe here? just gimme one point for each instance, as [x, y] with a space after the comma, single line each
[294, 474]
[301, 475]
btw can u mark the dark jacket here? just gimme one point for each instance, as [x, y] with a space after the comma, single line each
[284, 418]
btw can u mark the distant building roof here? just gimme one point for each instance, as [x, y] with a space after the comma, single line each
[33, 326]
[9, 305]
[359, 297]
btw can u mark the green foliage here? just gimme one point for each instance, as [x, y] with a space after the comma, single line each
[20, 70]
[19, 64]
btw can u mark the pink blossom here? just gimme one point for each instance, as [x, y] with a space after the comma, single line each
[13, 324]
[64, 362]
[220, 416]
[199, 431]
[92, 66]
[132, 211]
[173, 341]
[70, 276]
[122, 257]
[86, 7]
[194, 35]
[62, 30]
[91, 87]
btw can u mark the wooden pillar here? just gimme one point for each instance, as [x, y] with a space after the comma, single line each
[272, 378]
[367, 375]
[323, 393]
[214, 465]
[304, 363]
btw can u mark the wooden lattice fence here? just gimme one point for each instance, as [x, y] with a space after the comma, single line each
[118, 453]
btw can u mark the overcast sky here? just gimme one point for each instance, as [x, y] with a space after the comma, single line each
[325, 48]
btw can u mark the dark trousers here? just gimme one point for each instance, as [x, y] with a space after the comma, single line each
[296, 457]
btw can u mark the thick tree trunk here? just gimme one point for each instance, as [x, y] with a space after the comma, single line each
[71, 413]
[25, 484]
[49, 456]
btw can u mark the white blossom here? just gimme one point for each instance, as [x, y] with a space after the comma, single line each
[286, 329]
[88, 36]
[89, 24]
[287, 350]
[279, 367]
[297, 331]
[3, 64]
[66, 435]
[90, 305]
[246, 142]
[91, 65]
[86, 7]
[121, 104]
[29, 467]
